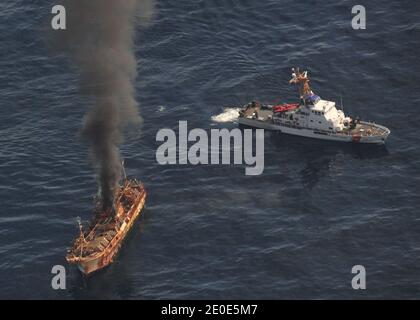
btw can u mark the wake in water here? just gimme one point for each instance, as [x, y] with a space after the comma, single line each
[228, 115]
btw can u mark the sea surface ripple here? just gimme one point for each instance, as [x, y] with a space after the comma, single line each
[210, 231]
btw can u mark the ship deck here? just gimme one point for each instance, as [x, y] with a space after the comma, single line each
[263, 114]
[366, 129]
[100, 241]
[363, 129]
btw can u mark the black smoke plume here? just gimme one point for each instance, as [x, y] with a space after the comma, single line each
[99, 38]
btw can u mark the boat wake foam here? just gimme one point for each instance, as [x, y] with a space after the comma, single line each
[228, 115]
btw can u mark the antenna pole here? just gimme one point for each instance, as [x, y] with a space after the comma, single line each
[82, 236]
[122, 165]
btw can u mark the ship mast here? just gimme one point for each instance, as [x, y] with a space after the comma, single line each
[302, 80]
[82, 235]
[123, 170]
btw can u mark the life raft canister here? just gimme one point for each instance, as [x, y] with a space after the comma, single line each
[285, 107]
[356, 138]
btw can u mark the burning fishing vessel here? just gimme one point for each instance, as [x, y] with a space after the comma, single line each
[107, 69]
[97, 246]
[312, 117]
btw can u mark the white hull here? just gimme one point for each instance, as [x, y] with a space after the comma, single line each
[311, 133]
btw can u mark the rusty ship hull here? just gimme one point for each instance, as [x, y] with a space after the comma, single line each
[96, 248]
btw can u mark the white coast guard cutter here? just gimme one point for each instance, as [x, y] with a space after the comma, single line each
[312, 117]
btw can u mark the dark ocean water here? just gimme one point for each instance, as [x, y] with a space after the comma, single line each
[210, 231]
